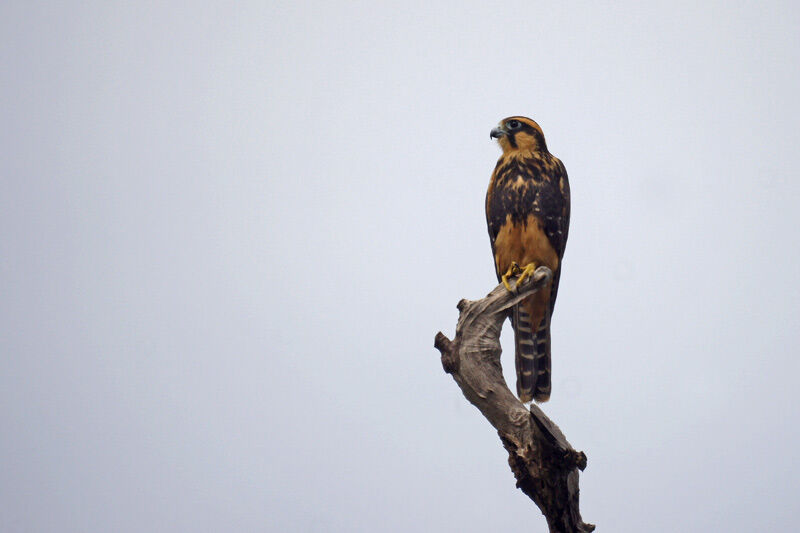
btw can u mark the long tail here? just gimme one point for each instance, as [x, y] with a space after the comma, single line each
[532, 355]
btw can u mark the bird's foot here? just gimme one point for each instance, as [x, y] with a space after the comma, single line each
[513, 270]
[526, 272]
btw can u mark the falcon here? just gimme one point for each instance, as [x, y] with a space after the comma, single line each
[527, 211]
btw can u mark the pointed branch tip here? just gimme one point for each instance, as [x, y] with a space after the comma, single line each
[442, 343]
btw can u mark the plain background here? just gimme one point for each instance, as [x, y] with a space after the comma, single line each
[230, 231]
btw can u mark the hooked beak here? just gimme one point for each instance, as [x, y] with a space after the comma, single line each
[496, 133]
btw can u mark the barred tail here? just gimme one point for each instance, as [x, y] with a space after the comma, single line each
[532, 356]
[541, 363]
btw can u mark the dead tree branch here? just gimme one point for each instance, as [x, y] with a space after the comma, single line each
[544, 463]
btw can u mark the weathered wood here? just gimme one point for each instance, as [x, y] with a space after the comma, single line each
[544, 463]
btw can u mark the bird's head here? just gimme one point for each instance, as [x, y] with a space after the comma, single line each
[519, 133]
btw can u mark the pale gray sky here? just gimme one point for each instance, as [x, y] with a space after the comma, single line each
[230, 231]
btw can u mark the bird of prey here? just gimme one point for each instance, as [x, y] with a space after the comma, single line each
[527, 211]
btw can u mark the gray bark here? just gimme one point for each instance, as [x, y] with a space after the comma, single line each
[544, 463]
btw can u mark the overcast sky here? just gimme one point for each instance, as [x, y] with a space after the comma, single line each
[230, 231]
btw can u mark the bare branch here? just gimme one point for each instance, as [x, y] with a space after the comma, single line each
[544, 463]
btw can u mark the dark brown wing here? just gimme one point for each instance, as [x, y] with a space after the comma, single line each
[557, 227]
[492, 221]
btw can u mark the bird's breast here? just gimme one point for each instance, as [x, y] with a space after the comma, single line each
[523, 242]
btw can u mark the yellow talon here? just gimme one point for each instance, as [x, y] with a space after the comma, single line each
[526, 272]
[513, 270]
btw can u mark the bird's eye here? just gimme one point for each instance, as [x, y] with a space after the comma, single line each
[513, 124]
